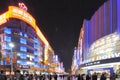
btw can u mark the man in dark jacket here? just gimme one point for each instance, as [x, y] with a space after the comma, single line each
[94, 76]
[18, 75]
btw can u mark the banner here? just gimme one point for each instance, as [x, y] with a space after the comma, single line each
[14, 58]
[8, 58]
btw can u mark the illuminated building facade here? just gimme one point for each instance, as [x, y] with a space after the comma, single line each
[100, 42]
[32, 51]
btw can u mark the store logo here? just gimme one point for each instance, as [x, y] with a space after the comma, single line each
[22, 6]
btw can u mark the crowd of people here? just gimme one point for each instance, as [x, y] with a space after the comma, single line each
[94, 76]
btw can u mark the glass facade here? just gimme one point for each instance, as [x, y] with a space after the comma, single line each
[102, 23]
[28, 48]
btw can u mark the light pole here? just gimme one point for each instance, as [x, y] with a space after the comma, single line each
[11, 46]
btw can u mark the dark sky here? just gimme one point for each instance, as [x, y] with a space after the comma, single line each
[60, 21]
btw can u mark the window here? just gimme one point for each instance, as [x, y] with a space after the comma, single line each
[35, 46]
[35, 53]
[21, 62]
[25, 35]
[7, 30]
[23, 41]
[20, 33]
[36, 59]
[22, 48]
[7, 38]
[36, 40]
[7, 47]
[23, 56]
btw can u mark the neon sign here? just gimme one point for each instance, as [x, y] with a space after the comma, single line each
[22, 6]
[3, 18]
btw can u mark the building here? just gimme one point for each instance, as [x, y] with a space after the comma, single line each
[31, 52]
[99, 47]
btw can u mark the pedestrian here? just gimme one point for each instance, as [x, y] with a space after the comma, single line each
[79, 77]
[2, 75]
[30, 77]
[18, 75]
[103, 76]
[113, 76]
[88, 77]
[94, 76]
[55, 76]
[118, 73]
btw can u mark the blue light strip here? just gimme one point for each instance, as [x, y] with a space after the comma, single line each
[104, 19]
[111, 16]
[118, 16]
[99, 27]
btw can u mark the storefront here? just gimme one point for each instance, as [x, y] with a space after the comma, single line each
[108, 66]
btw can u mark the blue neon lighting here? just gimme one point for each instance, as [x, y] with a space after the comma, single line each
[20, 33]
[118, 16]
[7, 30]
[23, 41]
[21, 62]
[7, 47]
[36, 59]
[7, 38]
[111, 25]
[35, 46]
[23, 56]
[22, 48]
[36, 40]
[104, 18]
[25, 35]
[35, 53]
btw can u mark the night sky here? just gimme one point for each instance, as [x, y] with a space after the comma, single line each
[60, 21]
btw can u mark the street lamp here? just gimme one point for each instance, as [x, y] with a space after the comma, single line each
[11, 46]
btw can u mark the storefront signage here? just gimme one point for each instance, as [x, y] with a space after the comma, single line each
[25, 67]
[93, 63]
[16, 12]
[102, 57]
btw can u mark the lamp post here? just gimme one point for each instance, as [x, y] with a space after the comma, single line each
[11, 46]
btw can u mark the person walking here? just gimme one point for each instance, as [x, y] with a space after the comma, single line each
[118, 73]
[18, 76]
[94, 76]
[113, 76]
[79, 77]
[88, 77]
[2, 75]
[103, 76]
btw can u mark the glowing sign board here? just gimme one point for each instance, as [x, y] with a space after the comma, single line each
[3, 18]
[16, 12]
